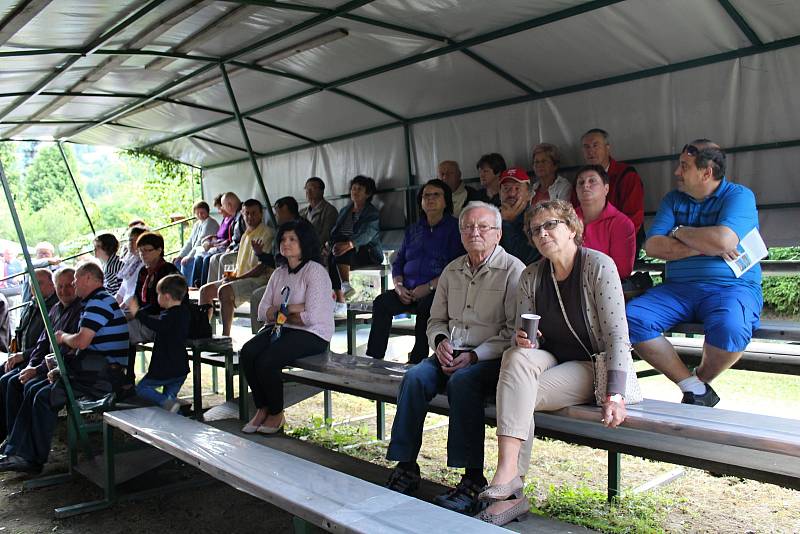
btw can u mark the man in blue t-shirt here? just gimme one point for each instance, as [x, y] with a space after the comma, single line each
[697, 227]
[96, 370]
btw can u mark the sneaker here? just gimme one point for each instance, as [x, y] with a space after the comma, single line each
[348, 290]
[405, 481]
[709, 398]
[340, 310]
[464, 497]
[171, 405]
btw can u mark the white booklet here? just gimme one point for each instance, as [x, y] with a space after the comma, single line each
[752, 250]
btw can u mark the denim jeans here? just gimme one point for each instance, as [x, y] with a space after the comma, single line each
[147, 388]
[466, 389]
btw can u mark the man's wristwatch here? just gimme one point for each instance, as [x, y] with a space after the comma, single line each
[674, 231]
[431, 288]
[615, 398]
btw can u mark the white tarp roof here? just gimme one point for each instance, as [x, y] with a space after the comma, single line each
[330, 87]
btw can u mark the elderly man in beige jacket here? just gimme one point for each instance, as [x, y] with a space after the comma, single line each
[471, 324]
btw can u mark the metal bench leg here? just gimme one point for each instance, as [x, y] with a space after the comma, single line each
[197, 385]
[301, 526]
[614, 474]
[328, 396]
[214, 380]
[351, 332]
[228, 377]
[142, 362]
[244, 407]
[380, 421]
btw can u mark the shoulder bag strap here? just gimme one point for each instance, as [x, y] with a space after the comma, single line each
[564, 313]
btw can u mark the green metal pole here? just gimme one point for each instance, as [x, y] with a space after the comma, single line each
[75, 185]
[246, 138]
[411, 208]
[37, 291]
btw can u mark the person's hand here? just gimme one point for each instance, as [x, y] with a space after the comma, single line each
[522, 341]
[258, 246]
[53, 375]
[27, 374]
[133, 306]
[59, 336]
[403, 293]
[459, 362]
[614, 413]
[730, 255]
[272, 313]
[420, 292]
[207, 245]
[444, 353]
[13, 360]
[53, 261]
[509, 212]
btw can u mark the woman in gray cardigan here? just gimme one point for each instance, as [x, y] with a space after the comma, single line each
[577, 293]
[203, 227]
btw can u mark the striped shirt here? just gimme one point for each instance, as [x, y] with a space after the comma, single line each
[731, 205]
[102, 315]
[110, 280]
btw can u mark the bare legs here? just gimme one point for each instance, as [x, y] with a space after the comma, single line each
[660, 353]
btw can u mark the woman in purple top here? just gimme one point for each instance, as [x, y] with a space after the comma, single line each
[428, 246]
[306, 319]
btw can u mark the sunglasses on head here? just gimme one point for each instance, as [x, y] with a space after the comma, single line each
[690, 150]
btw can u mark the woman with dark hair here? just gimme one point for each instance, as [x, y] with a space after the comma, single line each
[605, 227]
[490, 167]
[204, 227]
[131, 264]
[105, 250]
[428, 246]
[298, 312]
[355, 239]
[150, 247]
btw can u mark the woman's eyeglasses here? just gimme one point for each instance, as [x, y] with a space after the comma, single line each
[547, 225]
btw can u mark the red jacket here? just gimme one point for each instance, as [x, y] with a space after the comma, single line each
[626, 191]
[612, 233]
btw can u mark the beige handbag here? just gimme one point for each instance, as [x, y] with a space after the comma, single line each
[633, 393]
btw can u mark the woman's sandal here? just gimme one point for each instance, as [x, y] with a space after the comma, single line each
[502, 492]
[515, 513]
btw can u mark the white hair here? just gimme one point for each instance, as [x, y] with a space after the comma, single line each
[477, 204]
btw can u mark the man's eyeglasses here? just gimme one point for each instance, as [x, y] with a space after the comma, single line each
[547, 225]
[482, 228]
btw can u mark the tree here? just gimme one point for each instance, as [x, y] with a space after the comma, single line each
[47, 178]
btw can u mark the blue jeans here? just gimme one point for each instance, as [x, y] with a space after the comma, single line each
[147, 389]
[32, 433]
[466, 389]
[187, 270]
[12, 394]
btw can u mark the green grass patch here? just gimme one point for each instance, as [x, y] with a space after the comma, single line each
[321, 432]
[582, 505]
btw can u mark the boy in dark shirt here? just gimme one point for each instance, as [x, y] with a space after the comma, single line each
[169, 363]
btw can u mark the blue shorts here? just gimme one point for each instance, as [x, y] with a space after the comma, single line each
[729, 313]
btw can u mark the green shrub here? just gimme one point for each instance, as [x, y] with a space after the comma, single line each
[782, 294]
[324, 434]
[784, 253]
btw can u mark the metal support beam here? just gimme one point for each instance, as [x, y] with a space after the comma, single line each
[75, 185]
[738, 19]
[614, 474]
[411, 208]
[246, 138]
[22, 14]
[72, 407]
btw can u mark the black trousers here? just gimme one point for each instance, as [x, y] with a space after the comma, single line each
[263, 360]
[386, 306]
[354, 259]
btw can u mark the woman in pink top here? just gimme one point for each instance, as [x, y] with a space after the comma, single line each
[307, 322]
[605, 227]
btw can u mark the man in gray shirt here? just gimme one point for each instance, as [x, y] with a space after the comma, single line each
[319, 212]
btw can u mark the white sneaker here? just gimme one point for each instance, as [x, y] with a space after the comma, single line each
[348, 290]
[340, 310]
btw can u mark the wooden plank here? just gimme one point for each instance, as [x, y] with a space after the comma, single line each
[776, 330]
[331, 500]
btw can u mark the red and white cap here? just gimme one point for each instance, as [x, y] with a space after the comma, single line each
[516, 174]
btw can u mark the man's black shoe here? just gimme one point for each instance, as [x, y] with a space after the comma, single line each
[463, 498]
[709, 398]
[19, 465]
[403, 480]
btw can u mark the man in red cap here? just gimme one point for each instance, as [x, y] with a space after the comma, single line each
[515, 197]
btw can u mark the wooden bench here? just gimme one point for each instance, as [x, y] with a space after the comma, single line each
[726, 442]
[312, 493]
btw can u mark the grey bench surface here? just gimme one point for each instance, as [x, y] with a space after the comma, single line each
[327, 498]
[757, 446]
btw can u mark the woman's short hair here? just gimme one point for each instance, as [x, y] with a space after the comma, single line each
[548, 149]
[107, 243]
[601, 172]
[364, 181]
[562, 210]
[309, 241]
[448, 195]
[495, 161]
[173, 285]
[201, 205]
[151, 238]
[218, 201]
[136, 231]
